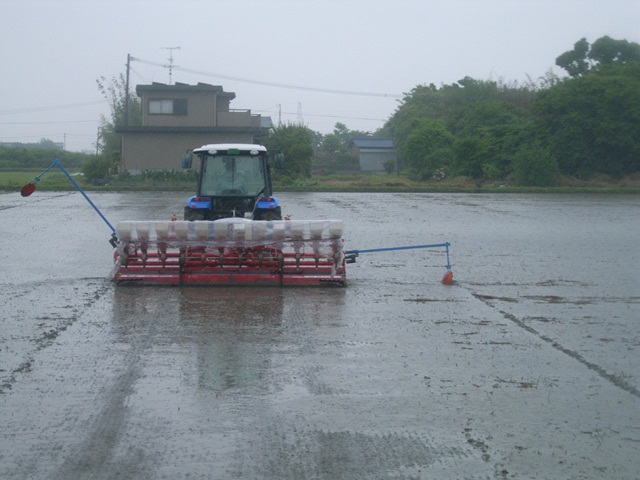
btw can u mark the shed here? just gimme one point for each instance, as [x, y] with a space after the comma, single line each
[373, 153]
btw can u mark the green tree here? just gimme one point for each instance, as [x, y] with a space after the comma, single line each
[335, 146]
[115, 92]
[295, 142]
[428, 148]
[575, 61]
[535, 165]
[469, 153]
[481, 115]
[422, 102]
[591, 122]
[585, 58]
[330, 147]
[97, 168]
[484, 117]
[344, 135]
[606, 51]
[47, 144]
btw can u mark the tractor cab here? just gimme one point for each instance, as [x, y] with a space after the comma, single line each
[234, 181]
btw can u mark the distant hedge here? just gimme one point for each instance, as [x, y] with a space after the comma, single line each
[12, 158]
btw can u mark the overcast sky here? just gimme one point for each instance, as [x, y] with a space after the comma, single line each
[278, 55]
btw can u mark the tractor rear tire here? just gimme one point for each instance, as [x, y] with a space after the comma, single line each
[274, 214]
[191, 214]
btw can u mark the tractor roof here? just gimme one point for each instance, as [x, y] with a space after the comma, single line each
[227, 146]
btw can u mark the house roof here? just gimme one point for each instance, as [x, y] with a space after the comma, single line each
[173, 129]
[183, 87]
[370, 142]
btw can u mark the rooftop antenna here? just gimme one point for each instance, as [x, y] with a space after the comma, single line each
[171, 65]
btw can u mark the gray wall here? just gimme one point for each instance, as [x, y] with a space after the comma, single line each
[371, 160]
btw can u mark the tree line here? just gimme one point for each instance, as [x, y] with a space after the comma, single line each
[585, 124]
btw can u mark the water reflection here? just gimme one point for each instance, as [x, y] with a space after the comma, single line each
[226, 332]
[236, 328]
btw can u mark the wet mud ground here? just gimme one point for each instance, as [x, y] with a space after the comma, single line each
[526, 367]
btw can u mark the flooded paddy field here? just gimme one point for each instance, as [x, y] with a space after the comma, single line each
[525, 368]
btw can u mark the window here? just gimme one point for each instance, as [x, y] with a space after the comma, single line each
[177, 106]
[180, 106]
[161, 107]
[232, 175]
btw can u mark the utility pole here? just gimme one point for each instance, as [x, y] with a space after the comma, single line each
[300, 119]
[126, 93]
[171, 65]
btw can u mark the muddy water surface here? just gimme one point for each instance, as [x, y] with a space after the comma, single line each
[525, 368]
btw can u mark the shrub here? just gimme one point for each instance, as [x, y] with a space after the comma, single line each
[535, 166]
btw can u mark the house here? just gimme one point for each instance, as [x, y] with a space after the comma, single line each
[373, 153]
[180, 117]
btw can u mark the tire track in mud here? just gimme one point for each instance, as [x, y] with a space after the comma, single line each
[47, 337]
[101, 451]
[37, 200]
[613, 379]
[289, 450]
[96, 454]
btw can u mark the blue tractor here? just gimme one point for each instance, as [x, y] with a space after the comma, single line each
[234, 181]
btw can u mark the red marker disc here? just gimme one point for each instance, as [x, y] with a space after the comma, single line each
[28, 189]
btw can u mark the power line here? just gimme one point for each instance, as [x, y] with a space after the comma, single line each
[139, 75]
[47, 123]
[273, 84]
[47, 109]
[319, 115]
[341, 116]
[46, 135]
